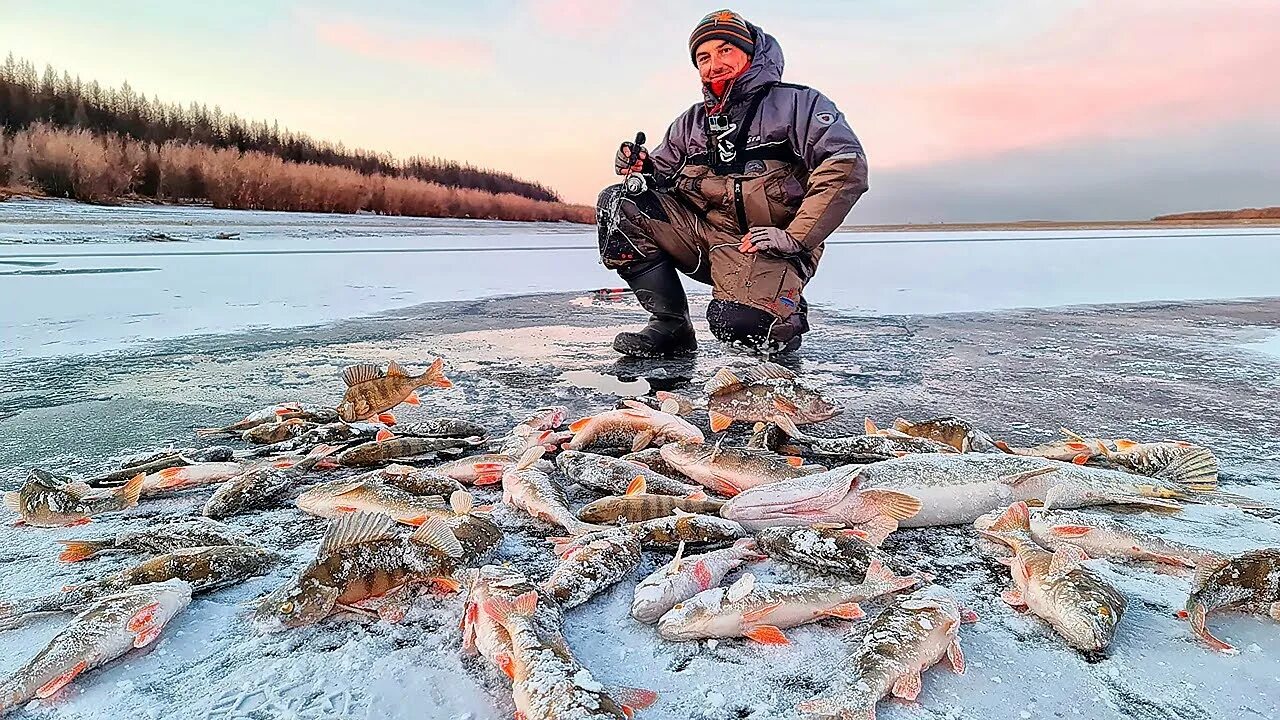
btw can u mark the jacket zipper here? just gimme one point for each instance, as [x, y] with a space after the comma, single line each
[739, 205]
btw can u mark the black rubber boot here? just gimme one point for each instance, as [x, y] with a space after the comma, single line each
[669, 332]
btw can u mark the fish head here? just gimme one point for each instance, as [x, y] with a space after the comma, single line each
[1086, 615]
[296, 604]
[347, 411]
[696, 618]
[603, 511]
[813, 407]
[572, 462]
[476, 533]
[803, 499]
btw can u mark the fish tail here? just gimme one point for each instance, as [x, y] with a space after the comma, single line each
[502, 610]
[129, 493]
[1218, 497]
[1195, 471]
[77, 550]
[434, 376]
[1196, 613]
[849, 705]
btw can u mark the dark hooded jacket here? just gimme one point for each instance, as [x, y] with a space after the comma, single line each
[798, 165]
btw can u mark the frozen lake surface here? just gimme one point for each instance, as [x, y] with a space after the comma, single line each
[100, 364]
[77, 278]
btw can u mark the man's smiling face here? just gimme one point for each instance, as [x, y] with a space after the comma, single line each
[719, 61]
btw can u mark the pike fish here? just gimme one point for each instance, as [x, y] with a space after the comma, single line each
[274, 432]
[1081, 606]
[763, 393]
[370, 391]
[205, 568]
[684, 577]
[652, 459]
[827, 550]
[861, 448]
[271, 414]
[591, 567]
[399, 447]
[260, 487]
[761, 611]
[362, 557]
[340, 497]
[188, 476]
[666, 532]
[1249, 582]
[638, 506]
[103, 632]
[47, 500]
[910, 636]
[328, 434]
[728, 471]
[415, 481]
[442, 428]
[950, 430]
[613, 476]
[547, 682]
[527, 487]
[836, 497]
[635, 427]
[197, 532]
[1100, 534]
[1150, 458]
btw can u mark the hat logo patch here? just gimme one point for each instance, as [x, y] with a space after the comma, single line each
[826, 118]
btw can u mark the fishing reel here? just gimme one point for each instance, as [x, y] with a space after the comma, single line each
[636, 183]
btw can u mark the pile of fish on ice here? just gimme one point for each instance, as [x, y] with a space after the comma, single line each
[663, 485]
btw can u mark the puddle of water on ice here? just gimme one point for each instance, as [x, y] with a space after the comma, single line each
[605, 383]
[1270, 346]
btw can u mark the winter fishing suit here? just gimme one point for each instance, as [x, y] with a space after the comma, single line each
[773, 154]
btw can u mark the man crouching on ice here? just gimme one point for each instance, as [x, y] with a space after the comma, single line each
[741, 194]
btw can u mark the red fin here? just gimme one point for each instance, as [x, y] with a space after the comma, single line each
[1069, 530]
[488, 473]
[968, 616]
[386, 418]
[412, 400]
[634, 698]
[637, 486]
[698, 495]
[143, 617]
[760, 613]
[768, 635]
[1123, 445]
[702, 575]
[908, 686]
[795, 461]
[506, 665]
[415, 521]
[76, 550]
[1013, 598]
[446, 584]
[383, 434]
[719, 421]
[579, 425]
[955, 656]
[61, 681]
[846, 611]
[1081, 459]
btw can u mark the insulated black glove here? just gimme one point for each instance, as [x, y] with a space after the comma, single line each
[632, 158]
[770, 241]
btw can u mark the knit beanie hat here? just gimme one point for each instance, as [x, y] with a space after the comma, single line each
[725, 25]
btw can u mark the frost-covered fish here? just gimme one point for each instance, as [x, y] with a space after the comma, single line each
[482, 634]
[652, 459]
[1249, 582]
[824, 549]
[1102, 535]
[269, 414]
[47, 500]
[636, 427]
[667, 532]
[103, 632]
[956, 432]
[761, 611]
[548, 683]
[340, 497]
[909, 637]
[328, 434]
[260, 487]
[370, 391]
[728, 471]
[415, 481]
[546, 418]
[397, 447]
[613, 476]
[957, 489]
[527, 487]
[762, 393]
[205, 568]
[684, 577]
[148, 463]
[197, 532]
[187, 476]
[270, 433]
[444, 427]
[362, 557]
[484, 469]
[1152, 458]
[835, 497]
[861, 448]
[1081, 606]
[637, 506]
[591, 567]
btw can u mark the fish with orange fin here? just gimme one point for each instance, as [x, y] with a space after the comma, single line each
[685, 577]
[274, 414]
[1249, 582]
[591, 567]
[372, 391]
[484, 469]
[665, 532]
[613, 476]
[874, 446]
[262, 486]
[388, 446]
[761, 393]
[47, 500]
[367, 494]
[482, 634]
[761, 611]
[951, 430]
[103, 632]
[276, 432]
[728, 471]
[547, 681]
[822, 549]
[636, 427]
[637, 505]
[528, 487]
[1151, 458]
[913, 634]
[160, 539]
[187, 476]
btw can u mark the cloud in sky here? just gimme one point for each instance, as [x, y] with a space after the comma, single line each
[409, 46]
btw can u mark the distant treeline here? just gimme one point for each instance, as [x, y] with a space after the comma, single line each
[1267, 213]
[61, 101]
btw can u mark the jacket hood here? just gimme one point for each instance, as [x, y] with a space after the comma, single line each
[766, 68]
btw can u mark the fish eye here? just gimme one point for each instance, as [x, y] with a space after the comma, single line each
[286, 607]
[678, 606]
[1104, 611]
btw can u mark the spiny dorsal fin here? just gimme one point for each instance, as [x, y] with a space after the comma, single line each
[395, 369]
[1195, 469]
[766, 371]
[436, 533]
[461, 502]
[358, 527]
[723, 380]
[364, 372]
